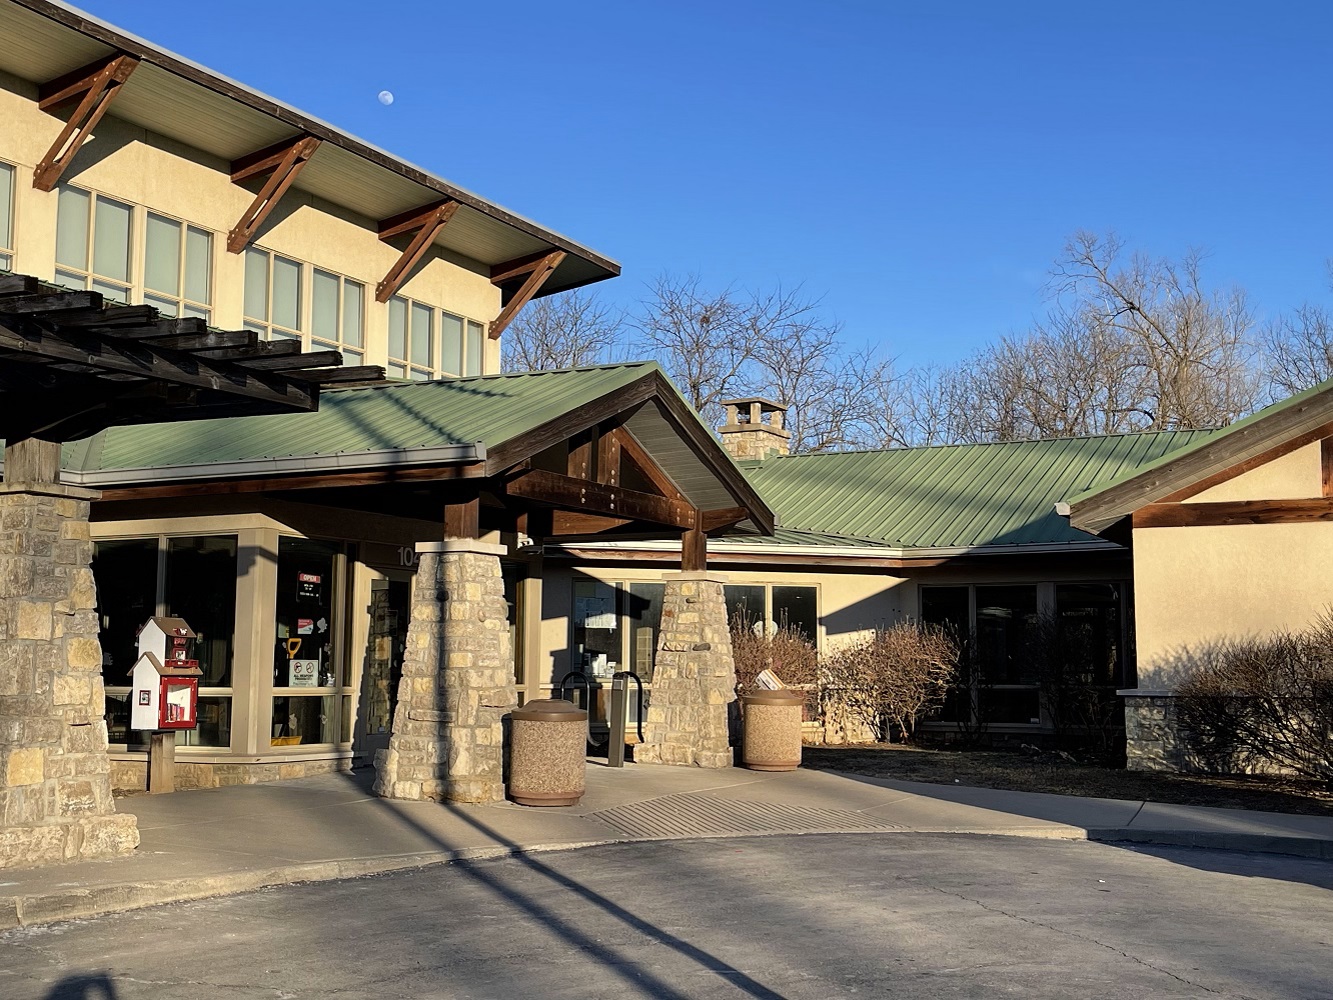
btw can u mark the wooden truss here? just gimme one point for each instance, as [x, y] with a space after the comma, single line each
[426, 223]
[280, 163]
[533, 272]
[71, 364]
[93, 87]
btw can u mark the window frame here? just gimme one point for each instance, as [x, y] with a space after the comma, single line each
[270, 330]
[182, 301]
[9, 239]
[435, 367]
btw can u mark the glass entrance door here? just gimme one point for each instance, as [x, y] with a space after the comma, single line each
[386, 643]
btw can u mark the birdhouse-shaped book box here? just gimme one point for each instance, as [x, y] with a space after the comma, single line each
[165, 692]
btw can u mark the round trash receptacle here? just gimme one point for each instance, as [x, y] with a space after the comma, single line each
[547, 744]
[771, 734]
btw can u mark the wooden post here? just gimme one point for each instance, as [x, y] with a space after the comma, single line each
[694, 547]
[32, 460]
[463, 519]
[162, 763]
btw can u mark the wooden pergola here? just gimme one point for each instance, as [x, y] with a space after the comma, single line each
[72, 364]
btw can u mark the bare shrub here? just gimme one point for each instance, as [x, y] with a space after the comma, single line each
[785, 651]
[892, 678]
[1264, 703]
[1075, 694]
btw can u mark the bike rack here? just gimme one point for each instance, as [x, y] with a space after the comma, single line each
[616, 710]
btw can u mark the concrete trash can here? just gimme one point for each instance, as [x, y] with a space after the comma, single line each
[771, 730]
[547, 746]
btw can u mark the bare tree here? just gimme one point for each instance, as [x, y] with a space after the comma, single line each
[1298, 350]
[561, 331]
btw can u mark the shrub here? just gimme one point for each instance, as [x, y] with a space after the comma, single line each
[892, 678]
[786, 651]
[1261, 703]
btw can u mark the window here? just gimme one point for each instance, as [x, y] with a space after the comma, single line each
[1006, 622]
[288, 300]
[272, 295]
[426, 343]
[337, 315]
[1090, 632]
[93, 236]
[192, 577]
[796, 608]
[7, 174]
[177, 267]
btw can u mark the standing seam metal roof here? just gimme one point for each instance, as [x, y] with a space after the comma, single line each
[953, 495]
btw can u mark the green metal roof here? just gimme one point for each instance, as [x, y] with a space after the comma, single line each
[486, 410]
[951, 496]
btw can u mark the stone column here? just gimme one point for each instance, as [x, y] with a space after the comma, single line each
[447, 743]
[694, 677]
[55, 787]
[1152, 732]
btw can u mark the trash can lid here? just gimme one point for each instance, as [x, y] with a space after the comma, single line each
[549, 710]
[783, 696]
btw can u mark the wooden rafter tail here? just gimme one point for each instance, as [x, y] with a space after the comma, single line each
[427, 223]
[541, 270]
[93, 86]
[282, 163]
[336, 376]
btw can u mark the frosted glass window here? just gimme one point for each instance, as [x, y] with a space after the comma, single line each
[324, 306]
[6, 206]
[421, 334]
[476, 348]
[111, 239]
[162, 255]
[451, 343]
[72, 209]
[256, 284]
[353, 313]
[198, 264]
[286, 293]
[398, 328]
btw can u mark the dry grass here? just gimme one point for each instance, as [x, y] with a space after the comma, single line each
[1019, 771]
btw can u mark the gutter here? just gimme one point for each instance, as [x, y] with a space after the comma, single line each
[383, 458]
[854, 551]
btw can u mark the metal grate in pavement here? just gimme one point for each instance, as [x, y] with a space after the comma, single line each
[693, 815]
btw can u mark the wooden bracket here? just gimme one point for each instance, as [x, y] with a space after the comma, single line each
[281, 162]
[427, 223]
[93, 86]
[537, 268]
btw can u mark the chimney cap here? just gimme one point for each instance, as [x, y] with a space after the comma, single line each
[766, 405]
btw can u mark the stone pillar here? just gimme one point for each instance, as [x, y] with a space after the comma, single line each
[1152, 732]
[55, 788]
[447, 743]
[694, 677]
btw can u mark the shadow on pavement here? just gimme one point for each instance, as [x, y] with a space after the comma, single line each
[1278, 867]
[97, 987]
[635, 976]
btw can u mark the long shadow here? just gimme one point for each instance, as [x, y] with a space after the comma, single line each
[635, 976]
[94, 987]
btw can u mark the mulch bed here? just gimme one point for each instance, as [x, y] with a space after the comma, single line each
[1046, 771]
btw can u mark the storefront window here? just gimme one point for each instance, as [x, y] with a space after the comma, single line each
[795, 608]
[644, 619]
[126, 575]
[596, 627]
[1089, 615]
[745, 605]
[201, 588]
[304, 660]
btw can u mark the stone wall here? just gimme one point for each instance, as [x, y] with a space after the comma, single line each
[447, 742]
[55, 793]
[1152, 740]
[694, 677]
[129, 773]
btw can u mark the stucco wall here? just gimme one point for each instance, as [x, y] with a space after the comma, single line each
[140, 167]
[1198, 584]
[1294, 476]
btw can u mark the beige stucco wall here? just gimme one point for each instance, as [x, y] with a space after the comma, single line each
[1197, 584]
[148, 170]
[1295, 476]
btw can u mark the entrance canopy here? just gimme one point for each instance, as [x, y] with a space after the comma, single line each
[602, 452]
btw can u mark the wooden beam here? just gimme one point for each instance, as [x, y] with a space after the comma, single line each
[566, 523]
[1326, 465]
[291, 362]
[463, 520]
[517, 267]
[32, 460]
[427, 223]
[1234, 512]
[634, 453]
[263, 349]
[579, 463]
[713, 520]
[694, 547]
[608, 456]
[569, 493]
[337, 376]
[282, 163]
[530, 287]
[94, 86]
[1249, 464]
[310, 481]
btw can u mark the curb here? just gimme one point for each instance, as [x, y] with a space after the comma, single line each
[1254, 843]
[29, 911]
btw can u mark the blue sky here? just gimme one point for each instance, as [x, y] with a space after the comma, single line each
[918, 165]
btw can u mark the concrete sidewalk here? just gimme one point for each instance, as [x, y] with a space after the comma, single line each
[218, 841]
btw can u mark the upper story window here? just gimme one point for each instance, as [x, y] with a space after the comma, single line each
[176, 269]
[6, 217]
[426, 343]
[288, 299]
[93, 235]
[96, 241]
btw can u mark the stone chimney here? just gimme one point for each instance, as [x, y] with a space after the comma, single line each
[746, 435]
